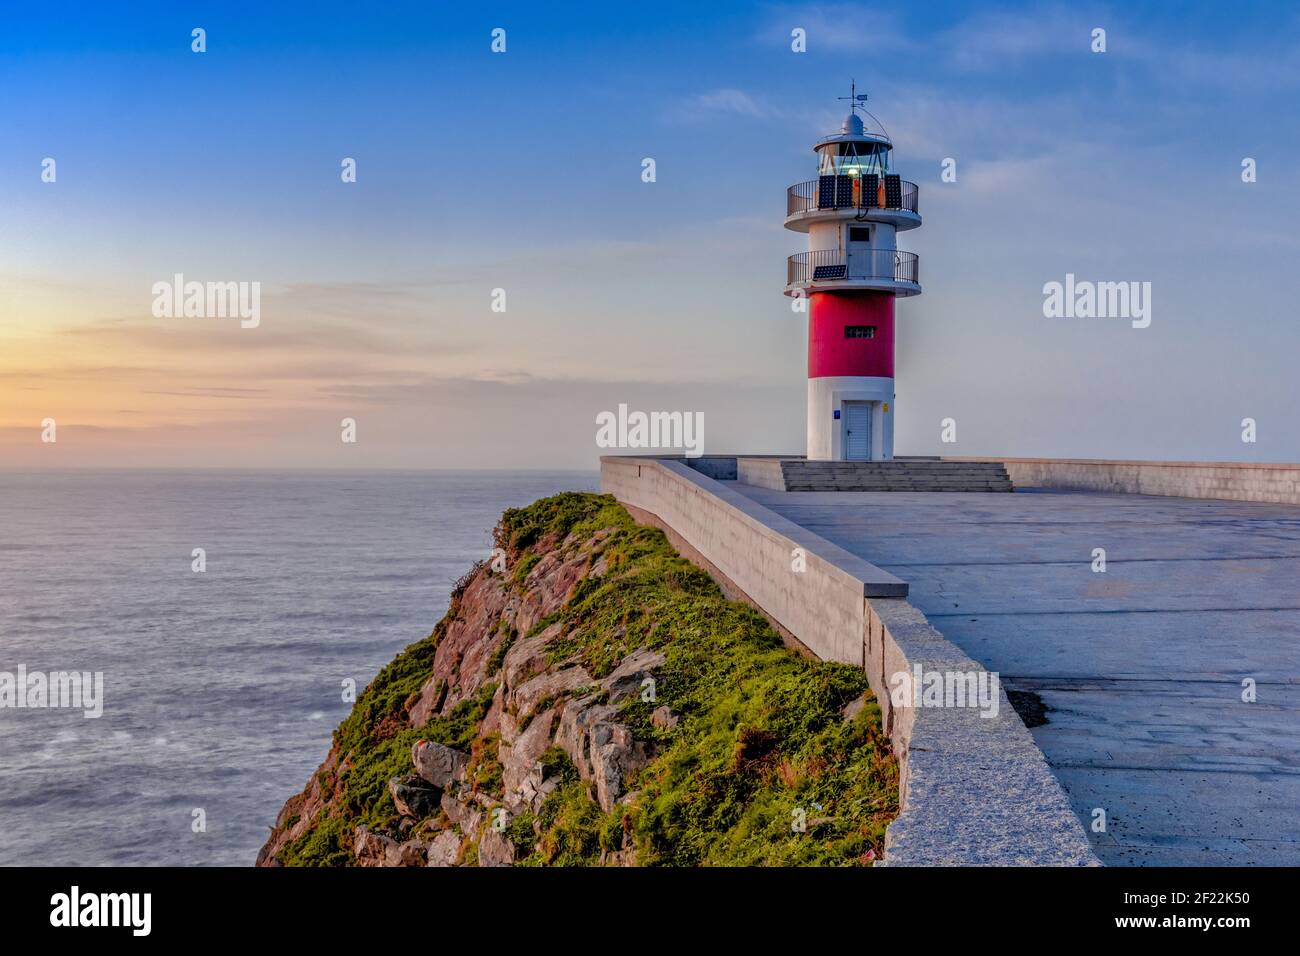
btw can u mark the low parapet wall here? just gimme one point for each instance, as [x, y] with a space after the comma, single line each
[1234, 481]
[975, 790]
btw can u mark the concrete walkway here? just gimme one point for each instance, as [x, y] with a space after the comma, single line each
[1142, 665]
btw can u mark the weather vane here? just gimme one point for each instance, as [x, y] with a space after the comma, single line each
[855, 98]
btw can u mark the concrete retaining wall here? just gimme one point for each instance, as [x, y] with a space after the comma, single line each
[1182, 479]
[974, 790]
[764, 472]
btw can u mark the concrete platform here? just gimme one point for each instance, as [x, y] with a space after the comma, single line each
[1141, 665]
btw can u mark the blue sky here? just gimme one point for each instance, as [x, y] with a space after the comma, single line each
[522, 171]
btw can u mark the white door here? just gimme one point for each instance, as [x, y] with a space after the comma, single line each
[857, 431]
[862, 264]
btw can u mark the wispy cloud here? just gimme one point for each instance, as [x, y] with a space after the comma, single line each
[731, 101]
[835, 27]
[726, 101]
[995, 40]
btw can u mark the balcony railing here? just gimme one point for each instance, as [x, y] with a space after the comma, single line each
[850, 192]
[827, 265]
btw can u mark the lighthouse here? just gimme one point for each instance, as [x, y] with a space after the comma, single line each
[847, 282]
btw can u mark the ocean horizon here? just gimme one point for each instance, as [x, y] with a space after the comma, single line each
[221, 686]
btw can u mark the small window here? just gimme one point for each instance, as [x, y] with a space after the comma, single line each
[859, 233]
[859, 331]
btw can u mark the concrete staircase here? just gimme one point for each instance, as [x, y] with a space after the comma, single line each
[897, 475]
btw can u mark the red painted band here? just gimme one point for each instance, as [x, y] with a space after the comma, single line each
[831, 352]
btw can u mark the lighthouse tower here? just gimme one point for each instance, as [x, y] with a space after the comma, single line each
[847, 282]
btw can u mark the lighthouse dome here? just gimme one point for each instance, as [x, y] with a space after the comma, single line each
[861, 147]
[858, 127]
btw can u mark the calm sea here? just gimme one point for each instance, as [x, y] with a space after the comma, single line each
[221, 688]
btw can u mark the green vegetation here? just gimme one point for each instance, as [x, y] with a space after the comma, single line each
[499, 655]
[760, 744]
[485, 770]
[327, 843]
[373, 754]
[525, 565]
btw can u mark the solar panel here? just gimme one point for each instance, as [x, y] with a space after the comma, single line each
[843, 191]
[825, 192]
[829, 272]
[893, 191]
[870, 189]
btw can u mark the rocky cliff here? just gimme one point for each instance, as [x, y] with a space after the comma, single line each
[589, 698]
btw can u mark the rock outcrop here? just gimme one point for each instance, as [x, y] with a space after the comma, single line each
[533, 698]
[522, 726]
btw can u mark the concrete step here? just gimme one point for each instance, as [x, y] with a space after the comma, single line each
[907, 475]
[884, 468]
[958, 479]
[896, 488]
